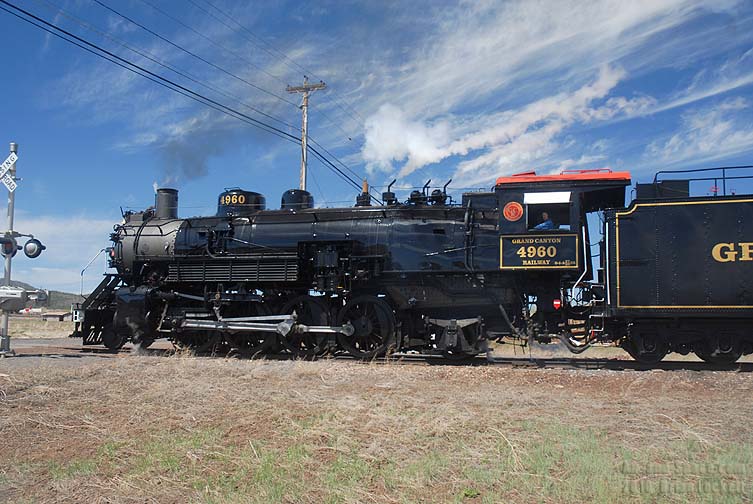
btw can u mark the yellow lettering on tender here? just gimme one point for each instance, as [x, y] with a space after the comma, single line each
[724, 252]
[746, 251]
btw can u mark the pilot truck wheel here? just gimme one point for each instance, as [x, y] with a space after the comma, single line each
[112, 339]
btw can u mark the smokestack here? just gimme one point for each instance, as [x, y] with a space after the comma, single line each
[166, 203]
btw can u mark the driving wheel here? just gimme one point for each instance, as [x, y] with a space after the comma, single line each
[310, 311]
[374, 327]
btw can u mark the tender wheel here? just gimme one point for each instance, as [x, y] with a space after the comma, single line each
[720, 351]
[112, 339]
[374, 327]
[310, 310]
[648, 349]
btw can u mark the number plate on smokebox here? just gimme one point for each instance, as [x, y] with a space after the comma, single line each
[538, 251]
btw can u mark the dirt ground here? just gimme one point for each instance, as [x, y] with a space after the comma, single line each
[148, 428]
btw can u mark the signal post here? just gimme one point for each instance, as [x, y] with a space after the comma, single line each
[12, 298]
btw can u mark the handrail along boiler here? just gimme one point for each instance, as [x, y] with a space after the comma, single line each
[430, 276]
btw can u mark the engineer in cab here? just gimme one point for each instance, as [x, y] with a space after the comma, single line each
[546, 222]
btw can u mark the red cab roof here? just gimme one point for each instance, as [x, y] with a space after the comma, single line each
[603, 174]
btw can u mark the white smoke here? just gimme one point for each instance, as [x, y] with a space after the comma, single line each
[392, 137]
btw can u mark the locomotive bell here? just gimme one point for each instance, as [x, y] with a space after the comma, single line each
[33, 248]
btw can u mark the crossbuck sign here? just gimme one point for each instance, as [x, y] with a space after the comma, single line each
[5, 177]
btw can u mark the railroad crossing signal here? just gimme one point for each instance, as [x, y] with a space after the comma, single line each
[8, 245]
[6, 177]
[33, 248]
[12, 297]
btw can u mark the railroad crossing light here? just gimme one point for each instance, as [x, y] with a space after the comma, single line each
[8, 246]
[33, 248]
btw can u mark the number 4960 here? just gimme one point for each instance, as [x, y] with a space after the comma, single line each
[541, 251]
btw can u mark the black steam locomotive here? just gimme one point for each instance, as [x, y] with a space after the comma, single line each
[432, 276]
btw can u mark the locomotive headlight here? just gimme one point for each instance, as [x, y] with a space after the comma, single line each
[33, 248]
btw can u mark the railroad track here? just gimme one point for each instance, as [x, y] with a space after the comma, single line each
[566, 363]
[521, 362]
[57, 349]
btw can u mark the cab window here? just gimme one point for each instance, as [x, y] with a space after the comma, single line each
[547, 211]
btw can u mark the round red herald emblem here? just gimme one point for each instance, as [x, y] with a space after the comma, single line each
[513, 211]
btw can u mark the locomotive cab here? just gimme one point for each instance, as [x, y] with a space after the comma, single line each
[545, 237]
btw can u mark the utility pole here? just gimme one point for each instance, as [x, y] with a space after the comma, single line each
[306, 89]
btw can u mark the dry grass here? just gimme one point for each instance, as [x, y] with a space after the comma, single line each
[32, 327]
[177, 429]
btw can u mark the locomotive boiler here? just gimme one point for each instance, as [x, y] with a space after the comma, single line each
[432, 276]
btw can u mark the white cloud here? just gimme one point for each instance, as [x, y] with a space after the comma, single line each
[391, 136]
[71, 242]
[544, 55]
[733, 74]
[581, 162]
[497, 143]
[705, 135]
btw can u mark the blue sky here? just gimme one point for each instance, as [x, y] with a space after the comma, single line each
[416, 90]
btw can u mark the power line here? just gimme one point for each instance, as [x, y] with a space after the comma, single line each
[167, 83]
[147, 74]
[330, 154]
[321, 193]
[213, 42]
[357, 175]
[190, 77]
[281, 54]
[179, 47]
[257, 41]
[329, 163]
[151, 57]
[260, 43]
